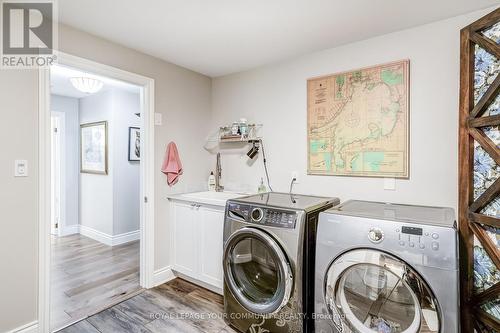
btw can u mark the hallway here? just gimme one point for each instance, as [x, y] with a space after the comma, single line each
[88, 276]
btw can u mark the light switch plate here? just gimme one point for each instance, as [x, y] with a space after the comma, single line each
[158, 119]
[390, 184]
[20, 168]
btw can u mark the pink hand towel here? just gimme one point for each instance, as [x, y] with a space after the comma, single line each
[172, 166]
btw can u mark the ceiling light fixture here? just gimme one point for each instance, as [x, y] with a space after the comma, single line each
[86, 84]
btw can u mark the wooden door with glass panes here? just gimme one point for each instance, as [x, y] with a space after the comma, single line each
[479, 174]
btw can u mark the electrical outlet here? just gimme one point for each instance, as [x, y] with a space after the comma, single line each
[295, 175]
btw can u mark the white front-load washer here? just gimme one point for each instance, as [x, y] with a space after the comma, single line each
[386, 268]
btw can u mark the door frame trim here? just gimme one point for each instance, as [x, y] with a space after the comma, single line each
[147, 210]
[62, 170]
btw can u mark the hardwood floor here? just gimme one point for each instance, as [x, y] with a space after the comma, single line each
[88, 276]
[177, 306]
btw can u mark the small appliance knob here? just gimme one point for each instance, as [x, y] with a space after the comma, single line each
[375, 235]
[257, 214]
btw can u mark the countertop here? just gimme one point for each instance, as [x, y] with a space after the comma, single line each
[207, 198]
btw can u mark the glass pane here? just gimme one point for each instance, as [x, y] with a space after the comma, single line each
[484, 329]
[493, 33]
[378, 298]
[493, 133]
[492, 208]
[255, 270]
[486, 171]
[494, 234]
[494, 108]
[486, 68]
[486, 274]
[492, 307]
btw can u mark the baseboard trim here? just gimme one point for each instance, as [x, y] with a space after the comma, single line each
[28, 328]
[125, 237]
[163, 275]
[95, 235]
[70, 230]
[205, 285]
[109, 239]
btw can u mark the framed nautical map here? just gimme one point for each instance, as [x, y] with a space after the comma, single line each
[358, 122]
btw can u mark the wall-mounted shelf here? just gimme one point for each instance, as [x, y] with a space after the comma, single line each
[224, 135]
[238, 139]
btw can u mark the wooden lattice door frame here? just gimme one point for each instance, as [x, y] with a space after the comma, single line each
[471, 219]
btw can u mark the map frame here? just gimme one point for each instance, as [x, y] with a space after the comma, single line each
[405, 63]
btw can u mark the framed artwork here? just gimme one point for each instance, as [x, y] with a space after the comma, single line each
[94, 148]
[358, 122]
[134, 144]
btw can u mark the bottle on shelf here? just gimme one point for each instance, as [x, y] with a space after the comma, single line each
[243, 128]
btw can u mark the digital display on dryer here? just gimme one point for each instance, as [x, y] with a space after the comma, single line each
[412, 231]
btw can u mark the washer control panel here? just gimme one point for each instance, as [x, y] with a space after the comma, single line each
[262, 215]
[280, 218]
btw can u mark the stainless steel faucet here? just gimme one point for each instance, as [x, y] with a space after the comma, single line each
[218, 175]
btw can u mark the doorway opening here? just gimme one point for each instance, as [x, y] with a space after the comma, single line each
[96, 232]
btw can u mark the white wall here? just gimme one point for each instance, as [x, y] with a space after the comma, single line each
[69, 106]
[110, 203]
[275, 95]
[181, 96]
[96, 190]
[18, 199]
[126, 174]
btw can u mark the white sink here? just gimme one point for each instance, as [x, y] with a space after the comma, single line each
[221, 197]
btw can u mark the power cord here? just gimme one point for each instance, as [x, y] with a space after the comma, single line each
[291, 184]
[265, 165]
[291, 187]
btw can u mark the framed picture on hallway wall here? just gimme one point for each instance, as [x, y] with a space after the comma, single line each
[134, 144]
[94, 148]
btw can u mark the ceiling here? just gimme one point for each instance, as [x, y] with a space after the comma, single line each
[219, 37]
[61, 85]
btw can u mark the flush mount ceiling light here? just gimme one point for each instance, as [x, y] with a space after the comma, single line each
[86, 84]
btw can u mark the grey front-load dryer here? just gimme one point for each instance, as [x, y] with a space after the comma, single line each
[386, 268]
[268, 261]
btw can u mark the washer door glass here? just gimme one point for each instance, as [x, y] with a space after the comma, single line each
[372, 291]
[257, 271]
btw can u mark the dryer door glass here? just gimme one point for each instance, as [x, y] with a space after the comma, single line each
[256, 271]
[375, 292]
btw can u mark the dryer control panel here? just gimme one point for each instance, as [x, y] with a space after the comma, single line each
[262, 215]
[417, 237]
[418, 244]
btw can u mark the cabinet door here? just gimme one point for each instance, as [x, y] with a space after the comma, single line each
[185, 239]
[211, 245]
